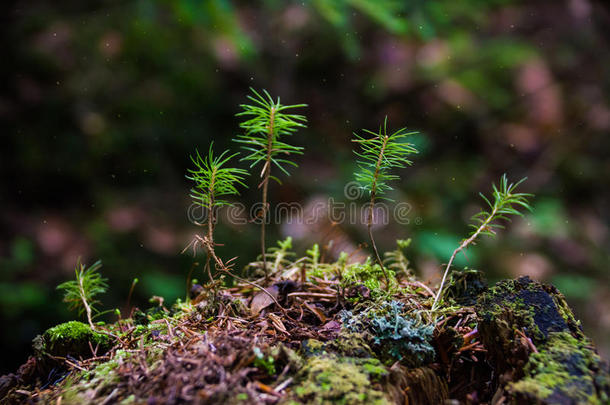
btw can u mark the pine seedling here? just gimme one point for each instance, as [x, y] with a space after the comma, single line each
[505, 203]
[80, 293]
[377, 157]
[213, 183]
[266, 124]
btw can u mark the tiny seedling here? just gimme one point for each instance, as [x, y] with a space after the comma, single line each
[262, 362]
[396, 260]
[213, 182]
[80, 293]
[377, 157]
[505, 203]
[266, 123]
[280, 254]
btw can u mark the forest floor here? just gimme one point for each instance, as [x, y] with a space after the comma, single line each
[324, 333]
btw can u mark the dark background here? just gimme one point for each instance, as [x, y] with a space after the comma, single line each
[102, 102]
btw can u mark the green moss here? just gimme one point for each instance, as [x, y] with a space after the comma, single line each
[286, 358]
[334, 380]
[263, 362]
[374, 369]
[350, 344]
[73, 338]
[312, 347]
[564, 369]
[151, 314]
[129, 400]
[370, 275]
[80, 387]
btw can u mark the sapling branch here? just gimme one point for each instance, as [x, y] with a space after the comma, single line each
[265, 125]
[378, 156]
[505, 202]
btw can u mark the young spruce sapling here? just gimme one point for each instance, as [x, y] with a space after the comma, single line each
[80, 293]
[266, 124]
[377, 157]
[213, 182]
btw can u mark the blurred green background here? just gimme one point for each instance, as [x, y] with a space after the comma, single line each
[103, 101]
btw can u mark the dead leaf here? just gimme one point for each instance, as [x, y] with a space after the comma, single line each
[317, 312]
[262, 300]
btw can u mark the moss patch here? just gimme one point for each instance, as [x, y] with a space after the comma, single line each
[82, 386]
[73, 338]
[347, 380]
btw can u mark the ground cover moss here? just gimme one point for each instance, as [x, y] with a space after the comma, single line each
[73, 338]
[330, 379]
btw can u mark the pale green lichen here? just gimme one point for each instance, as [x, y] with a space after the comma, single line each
[398, 337]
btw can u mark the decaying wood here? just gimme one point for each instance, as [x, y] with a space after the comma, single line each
[514, 343]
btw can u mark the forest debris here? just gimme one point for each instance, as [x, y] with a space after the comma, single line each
[323, 296]
[262, 300]
[208, 353]
[277, 323]
[316, 311]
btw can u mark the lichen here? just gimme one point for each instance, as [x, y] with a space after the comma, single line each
[397, 337]
[334, 380]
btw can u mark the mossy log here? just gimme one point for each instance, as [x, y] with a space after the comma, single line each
[522, 345]
[537, 348]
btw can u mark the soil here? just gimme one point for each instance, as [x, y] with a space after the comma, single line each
[322, 334]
